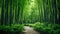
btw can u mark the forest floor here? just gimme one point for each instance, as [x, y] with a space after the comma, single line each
[30, 30]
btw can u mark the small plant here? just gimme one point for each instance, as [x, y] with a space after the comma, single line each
[31, 25]
[13, 29]
[47, 28]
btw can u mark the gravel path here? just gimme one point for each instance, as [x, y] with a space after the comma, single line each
[30, 30]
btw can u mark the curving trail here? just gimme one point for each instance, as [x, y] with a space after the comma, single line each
[30, 30]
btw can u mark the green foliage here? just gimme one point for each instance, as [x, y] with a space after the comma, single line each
[47, 28]
[17, 27]
[14, 28]
[31, 25]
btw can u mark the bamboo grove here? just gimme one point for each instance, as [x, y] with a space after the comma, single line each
[29, 11]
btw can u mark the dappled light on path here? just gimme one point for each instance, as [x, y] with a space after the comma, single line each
[30, 30]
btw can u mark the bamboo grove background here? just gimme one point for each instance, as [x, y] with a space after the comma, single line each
[29, 11]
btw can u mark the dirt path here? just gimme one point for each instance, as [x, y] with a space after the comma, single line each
[30, 30]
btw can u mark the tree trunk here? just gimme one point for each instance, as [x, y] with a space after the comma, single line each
[2, 13]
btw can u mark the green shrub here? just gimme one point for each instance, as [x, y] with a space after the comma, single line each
[47, 28]
[14, 28]
[31, 25]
